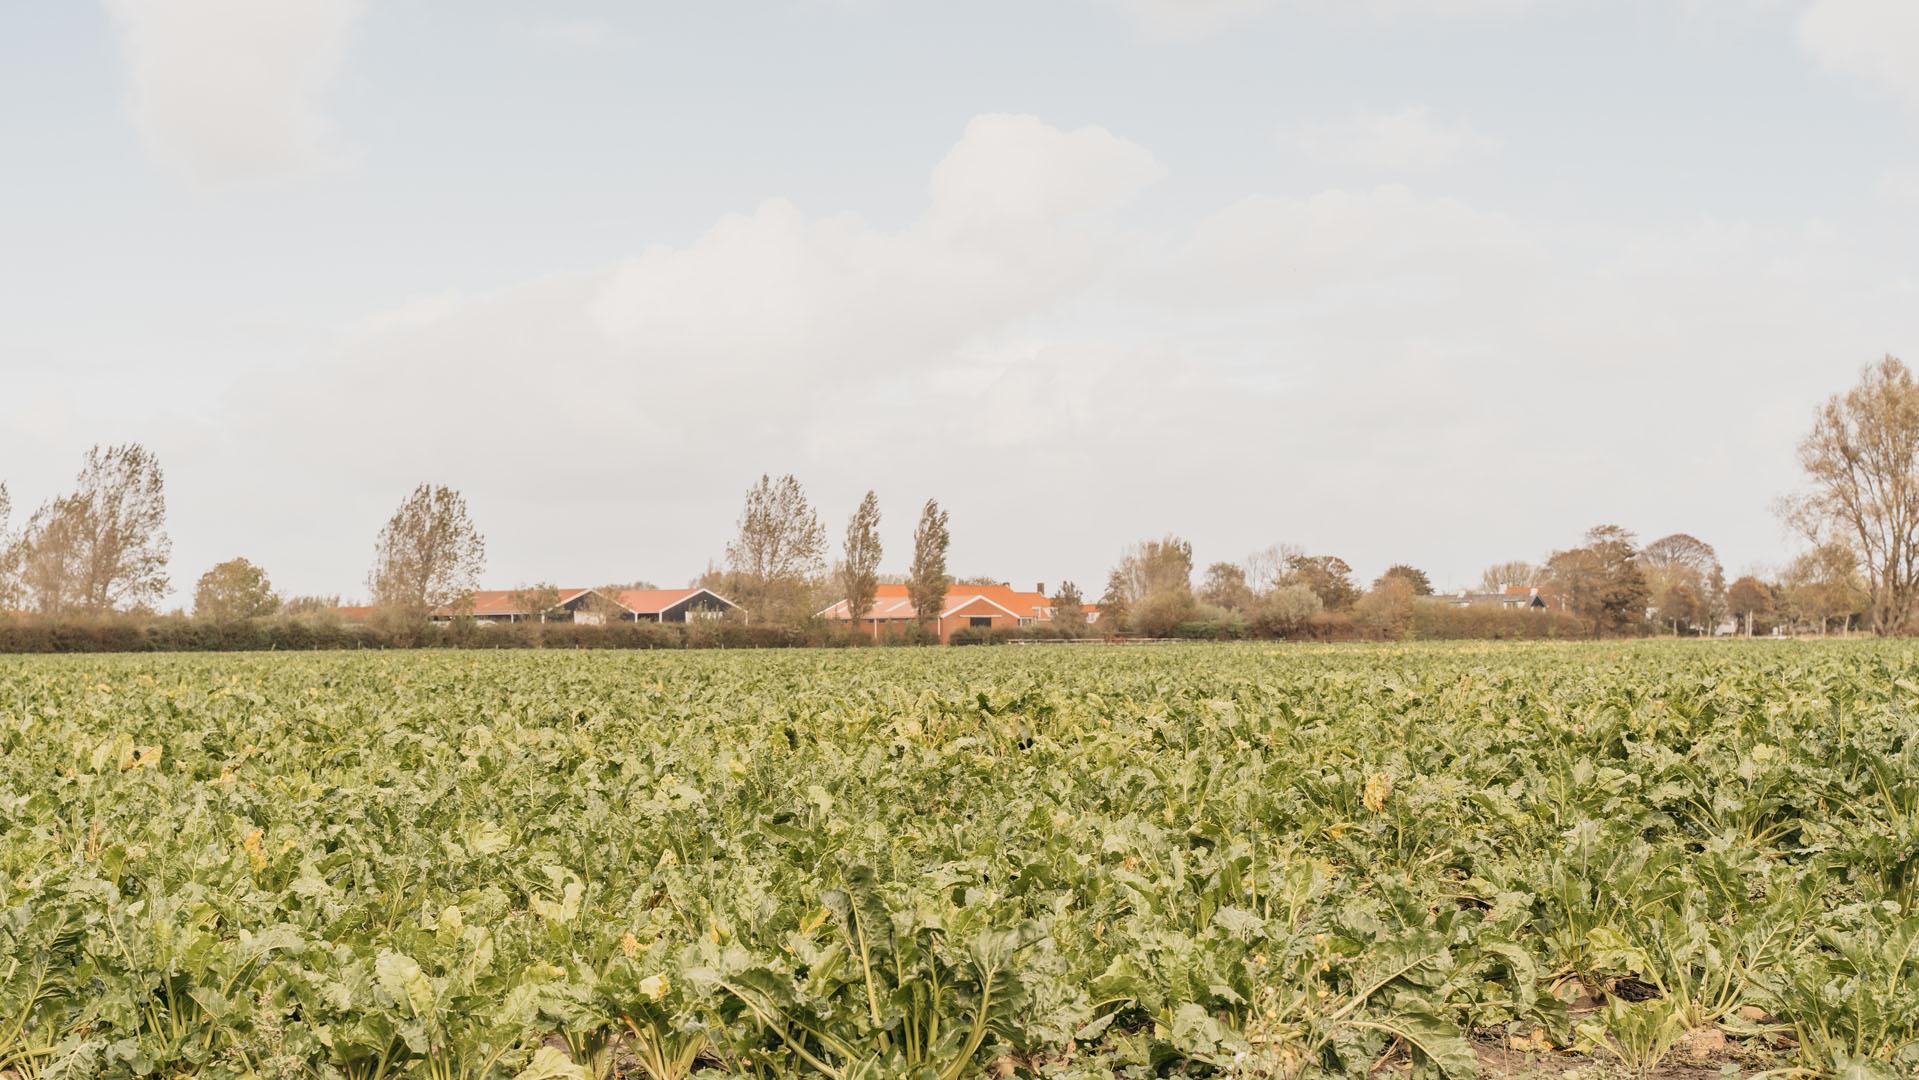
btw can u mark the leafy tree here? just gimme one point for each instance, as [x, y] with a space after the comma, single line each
[1862, 459]
[1686, 583]
[309, 605]
[927, 581]
[1069, 607]
[47, 560]
[1153, 586]
[1328, 576]
[1602, 581]
[536, 600]
[1282, 611]
[1514, 572]
[1750, 600]
[428, 556]
[779, 552]
[103, 547]
[1388, 607]
[1414, 578]
[232, 591]
[1225, 587]
[1823, 584]
[859, 571]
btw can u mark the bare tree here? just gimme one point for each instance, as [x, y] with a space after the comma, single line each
[1513, 572]
[859, 572]
[779, 551]
[927, 581]
[1685, 579]
[1266, 568]
[232, 591]
[428, 556]
[1862, 458]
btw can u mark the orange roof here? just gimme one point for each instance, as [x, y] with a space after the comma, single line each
[355, 613]
[653, 601]
[498, 603]
[892, 602]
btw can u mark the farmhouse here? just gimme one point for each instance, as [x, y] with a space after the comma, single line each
[1512, 598]
[589, 607]
[518, 605]
[981, 606]
[672, 605]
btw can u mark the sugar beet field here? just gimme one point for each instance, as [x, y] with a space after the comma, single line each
[1680, 858]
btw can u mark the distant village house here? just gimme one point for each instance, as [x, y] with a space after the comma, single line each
[986, 607]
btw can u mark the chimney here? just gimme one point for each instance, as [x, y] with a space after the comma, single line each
[1040, 588]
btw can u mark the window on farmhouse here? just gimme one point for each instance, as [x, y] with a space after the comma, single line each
[981, 620]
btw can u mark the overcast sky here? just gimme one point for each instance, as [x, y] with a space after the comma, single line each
[1436, 281]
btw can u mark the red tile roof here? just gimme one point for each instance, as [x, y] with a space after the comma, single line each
[891, 602]
[501, 603]
[653, 601]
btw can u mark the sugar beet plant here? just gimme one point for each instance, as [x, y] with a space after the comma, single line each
[934, 865]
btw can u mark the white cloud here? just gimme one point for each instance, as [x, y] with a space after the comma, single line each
[1349, 361]
[230, 90]
[1873, 40]
[772, 333]
[1410, 140]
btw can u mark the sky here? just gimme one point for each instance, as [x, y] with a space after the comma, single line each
[1443, 282]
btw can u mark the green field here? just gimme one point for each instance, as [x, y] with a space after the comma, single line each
[1058, 862]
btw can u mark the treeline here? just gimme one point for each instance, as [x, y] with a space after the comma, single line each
[178, 632]
[88, 569]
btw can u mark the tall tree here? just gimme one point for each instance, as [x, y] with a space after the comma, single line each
[47, 560]
[10, 553]
[927, 580]
[779, 551]
[1327, 575]
[1823, 584]
[428, 556]
[1415, 579]
[232, 591]
[1862, 459]
[1153, 586]
[860, 567]
[1749, 600]
[1225, 587]
[1388, 607]
[103, 547]
[1686, 582]
[1069, 607]
[1602, 581]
